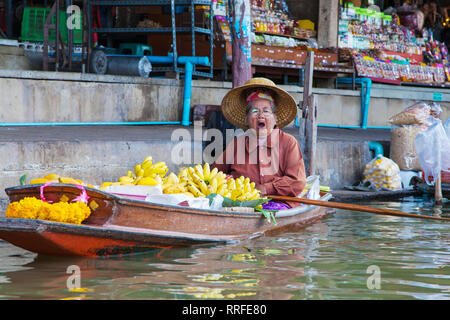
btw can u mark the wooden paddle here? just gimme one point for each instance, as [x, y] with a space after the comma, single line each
[354, 207]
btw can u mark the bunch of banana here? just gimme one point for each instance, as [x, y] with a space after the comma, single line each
[52, 177]
[202, 181]
[145, 173]
[172, 184]
[242, 189]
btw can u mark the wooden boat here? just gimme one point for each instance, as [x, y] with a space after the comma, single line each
[427, 189]
[119, 225]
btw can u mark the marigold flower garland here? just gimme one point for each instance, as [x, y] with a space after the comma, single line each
[32, 208]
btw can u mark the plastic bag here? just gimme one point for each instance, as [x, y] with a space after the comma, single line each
[136, 192]
[435, 110]
[403, 151]
[312, 188]
[175, 199]
[383, 174]
[418, 113]
[433, 148]
[447, 127]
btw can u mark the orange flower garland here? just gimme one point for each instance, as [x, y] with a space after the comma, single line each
[32, 208]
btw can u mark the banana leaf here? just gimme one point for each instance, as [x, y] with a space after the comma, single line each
[227, 202]
[269, 214]
[23, 180]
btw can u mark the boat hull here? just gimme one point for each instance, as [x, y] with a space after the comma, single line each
[121, 226]
[53, 238]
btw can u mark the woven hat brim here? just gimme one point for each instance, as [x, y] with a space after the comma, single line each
[234, 105]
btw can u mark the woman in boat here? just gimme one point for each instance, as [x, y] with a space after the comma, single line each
[268, 156]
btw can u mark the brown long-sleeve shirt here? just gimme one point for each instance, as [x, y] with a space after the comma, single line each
[276, 163]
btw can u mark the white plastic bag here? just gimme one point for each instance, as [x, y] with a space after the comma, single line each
[175, 199]
[383, 174]
[312, 188]
[447, 127]
[418, 113]
[136, 192]
[169, 199]
[216, 203]
[433, 148]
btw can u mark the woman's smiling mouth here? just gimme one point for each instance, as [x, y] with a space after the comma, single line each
[261, 124]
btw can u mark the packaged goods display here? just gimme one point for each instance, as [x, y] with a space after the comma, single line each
[424, 59]
[364, 29]
[271, 18]
[279, 39]
[404, 71]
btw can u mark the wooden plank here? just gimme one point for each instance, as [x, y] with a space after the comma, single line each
[438, 190]
[311, 134]
[308, 125]
[241, 45]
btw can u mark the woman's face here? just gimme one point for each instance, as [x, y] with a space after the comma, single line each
[261, 118]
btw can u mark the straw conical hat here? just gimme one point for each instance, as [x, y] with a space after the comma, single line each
[234, 104]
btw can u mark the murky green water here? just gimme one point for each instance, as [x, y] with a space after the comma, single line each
[349, 255]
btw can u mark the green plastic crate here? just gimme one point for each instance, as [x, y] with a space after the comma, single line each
[33, 26]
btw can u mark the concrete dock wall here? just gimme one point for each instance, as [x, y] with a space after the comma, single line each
[37, 96]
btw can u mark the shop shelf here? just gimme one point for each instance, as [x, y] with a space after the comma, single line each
[33, 26]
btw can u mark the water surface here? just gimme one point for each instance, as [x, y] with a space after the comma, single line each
[340, 257]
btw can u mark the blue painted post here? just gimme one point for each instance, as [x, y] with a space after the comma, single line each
[188, 69]
[187, 93]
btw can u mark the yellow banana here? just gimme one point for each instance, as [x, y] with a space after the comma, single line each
[174, 189]
[105, 184]
[255, 195]
[158, 179]
[136, 181]
[200, 183]
[183, 173]
[213, 185]
[150, 171]
[160, 164]
[137, 169]
[213, 174]
[148, 181]
[247, 187]
[38, 181]
[146, 164]
[172, 178]
[206, 171]
[243, 197]
[231, 184]
[68, 180]
[209, 190]
[52, 176]
[189, 194]
[193, 189]
[199, 171]
[191, 171]
[222, 190]
[149, 158]
[130, 174]
[126, 179]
